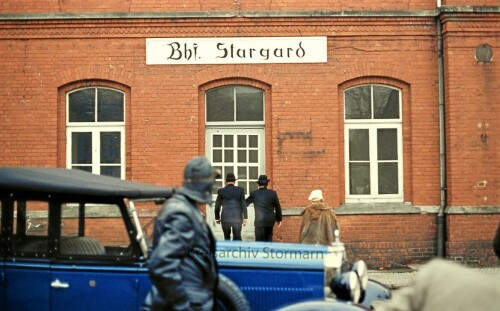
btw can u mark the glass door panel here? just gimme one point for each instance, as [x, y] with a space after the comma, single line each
[241, 152]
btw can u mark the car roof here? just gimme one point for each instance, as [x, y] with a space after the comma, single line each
[74, 183]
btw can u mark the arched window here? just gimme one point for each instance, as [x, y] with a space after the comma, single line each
[95, 131]
[373, 144]
[235, 104]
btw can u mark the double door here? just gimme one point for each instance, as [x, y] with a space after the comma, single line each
[238, 151]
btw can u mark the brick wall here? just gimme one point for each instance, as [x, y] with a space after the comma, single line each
[472, 110]
[16, 6]
[470, 238]
[42, 60]
[382, 241]
[55, 6]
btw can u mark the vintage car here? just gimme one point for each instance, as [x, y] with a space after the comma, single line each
[71, 240]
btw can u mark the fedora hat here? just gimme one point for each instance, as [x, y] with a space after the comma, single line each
[230, 177]
[263, 180]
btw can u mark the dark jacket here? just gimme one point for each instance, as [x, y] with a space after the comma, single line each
[232, 200]
[267, 207]
[182, 266]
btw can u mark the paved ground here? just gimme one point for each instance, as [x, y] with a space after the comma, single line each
[398, 278]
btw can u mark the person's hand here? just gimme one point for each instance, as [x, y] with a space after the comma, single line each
[244, 222]
[217, 221]
[279, 224]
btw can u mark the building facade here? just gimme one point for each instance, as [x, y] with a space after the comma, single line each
[391, 108]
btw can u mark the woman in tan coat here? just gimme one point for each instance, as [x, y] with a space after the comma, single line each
[319, 221]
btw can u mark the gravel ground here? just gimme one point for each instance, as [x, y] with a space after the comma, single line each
[398, 278]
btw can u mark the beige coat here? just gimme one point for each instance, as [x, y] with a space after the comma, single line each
[318, 224]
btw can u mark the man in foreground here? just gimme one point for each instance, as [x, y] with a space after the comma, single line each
[182, 266]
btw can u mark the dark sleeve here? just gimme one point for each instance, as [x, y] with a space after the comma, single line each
[174, 244]
[277, 208]
[218, 205]
[243, 204]
[249, 200]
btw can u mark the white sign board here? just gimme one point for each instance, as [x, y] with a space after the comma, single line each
[250, 50]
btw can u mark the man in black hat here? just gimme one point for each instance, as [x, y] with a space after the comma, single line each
[182, 267]
[267, 210]
[234, 209]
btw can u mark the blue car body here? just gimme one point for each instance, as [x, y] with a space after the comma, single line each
[61, 268]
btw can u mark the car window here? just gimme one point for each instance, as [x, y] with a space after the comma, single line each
[31, 230]
[93, 230]
[147, 212]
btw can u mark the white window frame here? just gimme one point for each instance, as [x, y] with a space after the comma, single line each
[372, 125]
[96, 128]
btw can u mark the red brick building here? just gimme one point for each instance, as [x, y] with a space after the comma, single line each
[390, 107]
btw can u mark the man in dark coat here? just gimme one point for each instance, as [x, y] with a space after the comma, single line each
[234, 209]
[267, 210]
[182, 266]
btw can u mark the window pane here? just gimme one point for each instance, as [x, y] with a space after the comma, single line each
[110, 147]
[98, 236]
[242, 156]
[387, 178]
[385, 102]
[109, 105]
[81, 148]
[358, 103]
[217, 143]
[242, 141]
[228, 156]
[242, 172]
[81, 106]
[253, 141]
[253, 156]
[228, 140]
[387, 144]
[217, 155]
[359, 148]
[253, 173]
[249, 104]
[31, 227]
[359, 174]
[113, 171]
[220, 104]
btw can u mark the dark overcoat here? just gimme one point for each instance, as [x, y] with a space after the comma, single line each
[267, 207]
[182, 267]
[232, 200]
